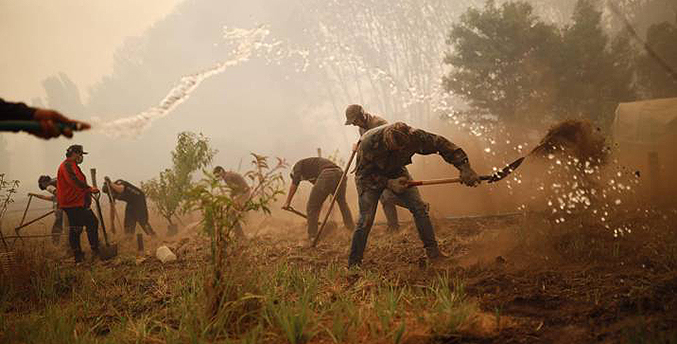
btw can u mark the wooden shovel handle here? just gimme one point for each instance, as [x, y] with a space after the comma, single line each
[439, 181]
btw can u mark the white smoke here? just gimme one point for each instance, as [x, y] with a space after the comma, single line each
[247, 43]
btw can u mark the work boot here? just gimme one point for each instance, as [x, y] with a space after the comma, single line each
[149, 230]
[436, 256]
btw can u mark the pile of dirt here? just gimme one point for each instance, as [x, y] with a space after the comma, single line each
[575, 138]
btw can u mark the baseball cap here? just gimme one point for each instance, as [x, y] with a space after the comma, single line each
[353, 112]
[75, 149]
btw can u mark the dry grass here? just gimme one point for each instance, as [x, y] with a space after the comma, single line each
[281, 292]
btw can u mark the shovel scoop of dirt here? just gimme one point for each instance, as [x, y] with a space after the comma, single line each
[578, 139]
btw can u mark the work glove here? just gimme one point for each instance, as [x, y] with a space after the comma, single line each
[468, 176]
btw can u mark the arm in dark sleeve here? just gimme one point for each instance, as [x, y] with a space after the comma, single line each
[74, 177]
[427, 143]
[296, 175]
[15, 111]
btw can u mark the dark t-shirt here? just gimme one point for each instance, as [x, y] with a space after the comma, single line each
[309, 168]
[131, 193]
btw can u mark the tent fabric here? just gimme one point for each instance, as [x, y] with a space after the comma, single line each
[646, 122]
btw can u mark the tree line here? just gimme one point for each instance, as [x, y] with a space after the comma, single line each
[506, 61]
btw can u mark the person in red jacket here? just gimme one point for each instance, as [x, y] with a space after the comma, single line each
[74, 196]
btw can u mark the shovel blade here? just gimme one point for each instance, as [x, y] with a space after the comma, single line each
[108, 252]
[505, 171]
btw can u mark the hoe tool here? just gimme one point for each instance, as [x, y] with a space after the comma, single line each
[292, 210]
[109, 251]
[400, 184]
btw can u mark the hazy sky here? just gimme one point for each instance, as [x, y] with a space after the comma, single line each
[79, 37]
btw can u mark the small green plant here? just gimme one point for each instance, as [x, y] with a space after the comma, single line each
[344, 318]
[220, 214]
[165, 194]
[451, 307]
[293, 318]
[170, 190]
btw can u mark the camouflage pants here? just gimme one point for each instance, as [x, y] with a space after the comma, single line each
[325, 185]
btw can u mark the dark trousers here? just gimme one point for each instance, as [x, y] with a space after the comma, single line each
[137, 212]
[388, 201]
[325, 185]
[78, 218]
[368, 201]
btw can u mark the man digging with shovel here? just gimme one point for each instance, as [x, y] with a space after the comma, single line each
[381, 157]
[355, 115]
[325, 177]
[136, 210]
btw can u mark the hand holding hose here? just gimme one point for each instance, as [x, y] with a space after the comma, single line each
[52, 124]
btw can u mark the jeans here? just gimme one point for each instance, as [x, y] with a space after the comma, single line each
[411, 198]
[388, 202]
[324, 186]
[78, 218]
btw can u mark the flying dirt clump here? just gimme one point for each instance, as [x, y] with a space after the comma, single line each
[577, 139]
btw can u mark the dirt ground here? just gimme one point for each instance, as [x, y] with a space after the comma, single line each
[533, 282]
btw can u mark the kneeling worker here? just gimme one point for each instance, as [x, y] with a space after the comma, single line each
[136, 210]
[325, 177]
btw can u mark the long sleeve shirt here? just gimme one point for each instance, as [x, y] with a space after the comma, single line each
[15, 111]
[376, 163]
[373, 121]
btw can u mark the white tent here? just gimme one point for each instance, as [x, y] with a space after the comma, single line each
[646, 122]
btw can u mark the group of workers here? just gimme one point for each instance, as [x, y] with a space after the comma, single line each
[382, 154]
[71, 194]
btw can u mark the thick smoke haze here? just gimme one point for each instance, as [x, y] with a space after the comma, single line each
[102, 62]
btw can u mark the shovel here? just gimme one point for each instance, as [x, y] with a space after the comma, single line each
[292, 210]
[109, 251]
[113, 212]
[400, 184]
